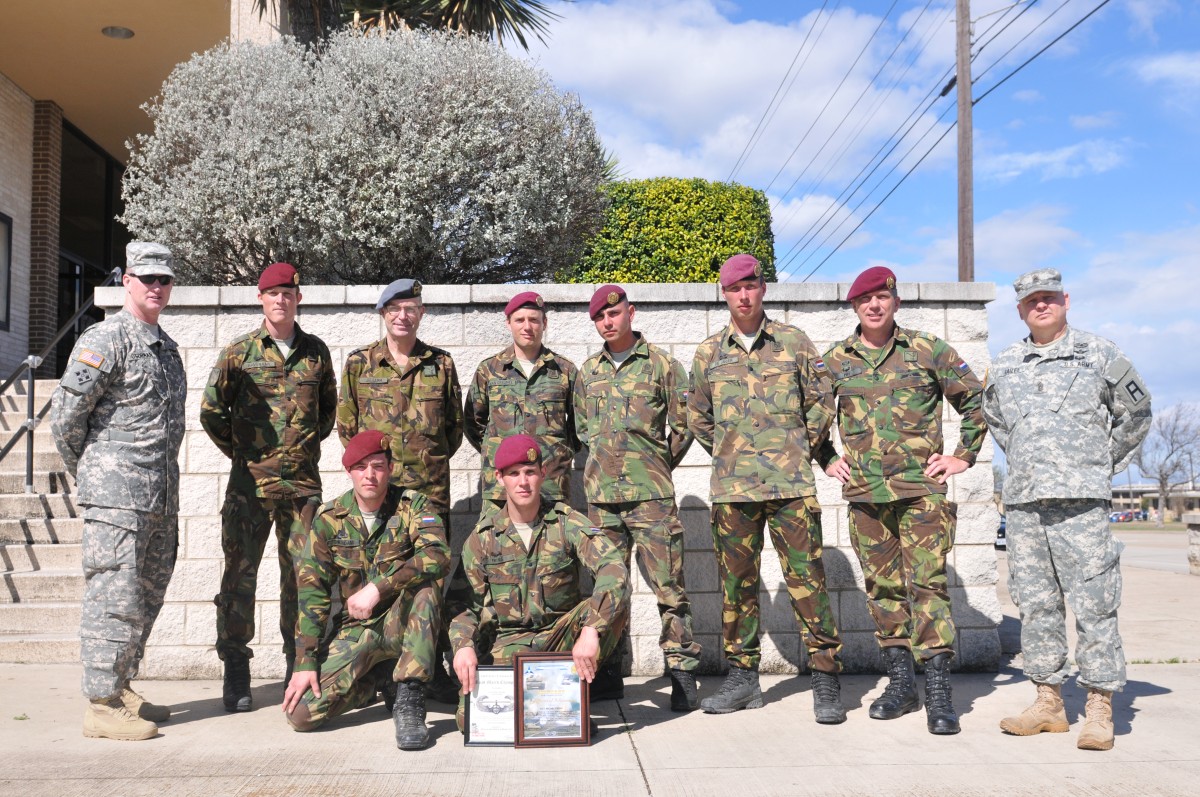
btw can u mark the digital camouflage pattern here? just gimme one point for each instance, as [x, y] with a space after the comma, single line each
[502, 402]
[1069, 416]
[890, 414]
[419, 408]
[795, 528]
[1063, 549]
[269, 415]
[520, 597]
[902, 546]
[762, 414]
[118, 416]
[406, 553]
[633, 420]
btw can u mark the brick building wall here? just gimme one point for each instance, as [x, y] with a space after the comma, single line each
[44, 240]
[16, 176]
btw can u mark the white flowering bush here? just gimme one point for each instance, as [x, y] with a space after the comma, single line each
[419, 154]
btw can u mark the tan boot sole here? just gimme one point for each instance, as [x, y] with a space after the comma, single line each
[1045, 727]
[1095, 744]
[96, 733]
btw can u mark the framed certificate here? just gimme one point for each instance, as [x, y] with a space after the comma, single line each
[490, 709]
[552, 701]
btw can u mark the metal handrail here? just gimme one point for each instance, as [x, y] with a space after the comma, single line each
[28, 366]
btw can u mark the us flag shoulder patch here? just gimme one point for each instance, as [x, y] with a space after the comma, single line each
[89, 357]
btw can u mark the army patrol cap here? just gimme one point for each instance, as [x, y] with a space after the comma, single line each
[278, 275]
[605, 296]
[400, 289]
[1041, 279]
[526, 299]
[145, 259]
[876, 278]
[519, 449]
[739, 267]
[365, 444]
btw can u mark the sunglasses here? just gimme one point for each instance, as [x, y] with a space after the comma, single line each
[161, 279]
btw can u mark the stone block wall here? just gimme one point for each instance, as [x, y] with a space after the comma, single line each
[468, 321]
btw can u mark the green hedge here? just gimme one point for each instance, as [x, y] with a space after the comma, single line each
[670, 229]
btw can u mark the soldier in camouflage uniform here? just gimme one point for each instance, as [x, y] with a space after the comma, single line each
[761, 403]
[1070, 411]
[631, 409]
[118, 422]
[384, 547]
[524, 389]
[523, 567]
[269, 403]
[889, 382]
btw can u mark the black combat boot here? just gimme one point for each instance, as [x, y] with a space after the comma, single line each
[683, 691]
[608, 683]
[443, 688]
[235, 690]
[409, 715]
[939, 703]
[739, 691]
[900, 695]
[827, 698]
[382, 673]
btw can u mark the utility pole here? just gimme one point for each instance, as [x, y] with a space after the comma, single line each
[966, 178]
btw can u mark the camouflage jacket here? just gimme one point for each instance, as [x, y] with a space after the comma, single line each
[891, 414]
[502, 401]
[407, 550]
[515, 590]
[633, 419]
[270, 415]
[1069, 416]
[762, 414]
[420, 409]
[118, 416]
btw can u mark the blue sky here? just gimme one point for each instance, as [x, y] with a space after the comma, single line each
[1086, 160]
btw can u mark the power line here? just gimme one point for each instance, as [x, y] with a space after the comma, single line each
[1024, 8]
[1020, 41]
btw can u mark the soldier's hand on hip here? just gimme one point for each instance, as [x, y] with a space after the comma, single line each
[300, 684]
[839, 470]
[943, 466]
[362, 603]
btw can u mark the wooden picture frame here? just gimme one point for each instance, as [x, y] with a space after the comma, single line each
[552, 702]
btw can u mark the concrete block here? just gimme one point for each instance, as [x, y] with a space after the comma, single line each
[318, 297]
[974, 485]
[348, 327]
[200, 455]
[168, 628]
[802, 292]
[975, 607]
[823, 322]
[240, 296]
[194, 296]
[850, 606]
[700, 572]
[203, 537]
[691, 484]
[978, 650]
[194, 580]
[267, 631]
[198, 494]
[488, 330]
[111, 298]
[696, 457]
[712, 656]
[781, 653]
[200, 624]
[442, 326]
[181, 662]
[860, 652]
[842, 569]
[973, 292]
[568, 328]
[363, 297]
[466, 459]
[191, 410]
[977, 524]
[975, 352]
[198, 364]
[194, 328]
[685, 353]
[644, 619]
[973, 566]
[931, 319]
[697, 530]
[668, 293]
[233, 323]
[965, 322]
[667, 324]
[266, 590]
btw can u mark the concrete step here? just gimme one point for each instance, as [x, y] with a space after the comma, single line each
[12, 482]
[45, 457]
[20, 558]
[30, 531]
[39, 618]
[41, 585]
[40, 649]
[54, 505]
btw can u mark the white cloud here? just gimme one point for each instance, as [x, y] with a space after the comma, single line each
[1145, 13]
[1094, 156]
[1028, 95]
[1095, 121]
[1177, 73]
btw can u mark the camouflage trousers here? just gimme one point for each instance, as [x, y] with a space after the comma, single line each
[654, 527]
[128, 558]
[246, 522]
[406, 632]
[1065, 546]
[902, 546]
[795, 528]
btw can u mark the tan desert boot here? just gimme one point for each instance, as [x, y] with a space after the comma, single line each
[1046, 715]
[1097, 733]
[142, 707]
[110, 719]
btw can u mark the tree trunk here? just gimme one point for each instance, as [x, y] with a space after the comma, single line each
[310, 21]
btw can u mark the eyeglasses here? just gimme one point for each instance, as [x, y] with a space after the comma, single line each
[161, 279]
[406, 311]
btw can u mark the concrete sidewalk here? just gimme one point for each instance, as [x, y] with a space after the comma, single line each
[642, 748]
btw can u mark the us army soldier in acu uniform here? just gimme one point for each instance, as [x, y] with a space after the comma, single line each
[525, 389]
[631, 408]
[269, 403]
[117, 417]
[762, 405]
[385, 548]
[1069, 410]
[889, 383]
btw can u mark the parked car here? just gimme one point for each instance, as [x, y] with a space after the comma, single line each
[1127, 516]
[1001, 540]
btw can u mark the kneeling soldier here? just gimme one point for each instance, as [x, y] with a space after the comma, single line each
[385, 548]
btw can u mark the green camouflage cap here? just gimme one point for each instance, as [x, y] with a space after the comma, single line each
[1040, 279]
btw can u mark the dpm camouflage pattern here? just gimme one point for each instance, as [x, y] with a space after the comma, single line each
[419, 409]
[269, 415]
[405, 554]
[891, 414]
[502, 402]
[761, 414]
[633, 419]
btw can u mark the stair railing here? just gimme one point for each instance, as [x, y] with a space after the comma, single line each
[27, 367]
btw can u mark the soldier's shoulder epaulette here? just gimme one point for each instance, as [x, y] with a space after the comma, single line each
[243, 338]
[328, 506]
[360, 352]
[916, 333]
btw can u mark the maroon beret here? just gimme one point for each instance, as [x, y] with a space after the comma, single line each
[517, 450]
[739, 267]
[876, 278]
[364, 444]
[526, 299]
[277, 274]
[605, 296]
